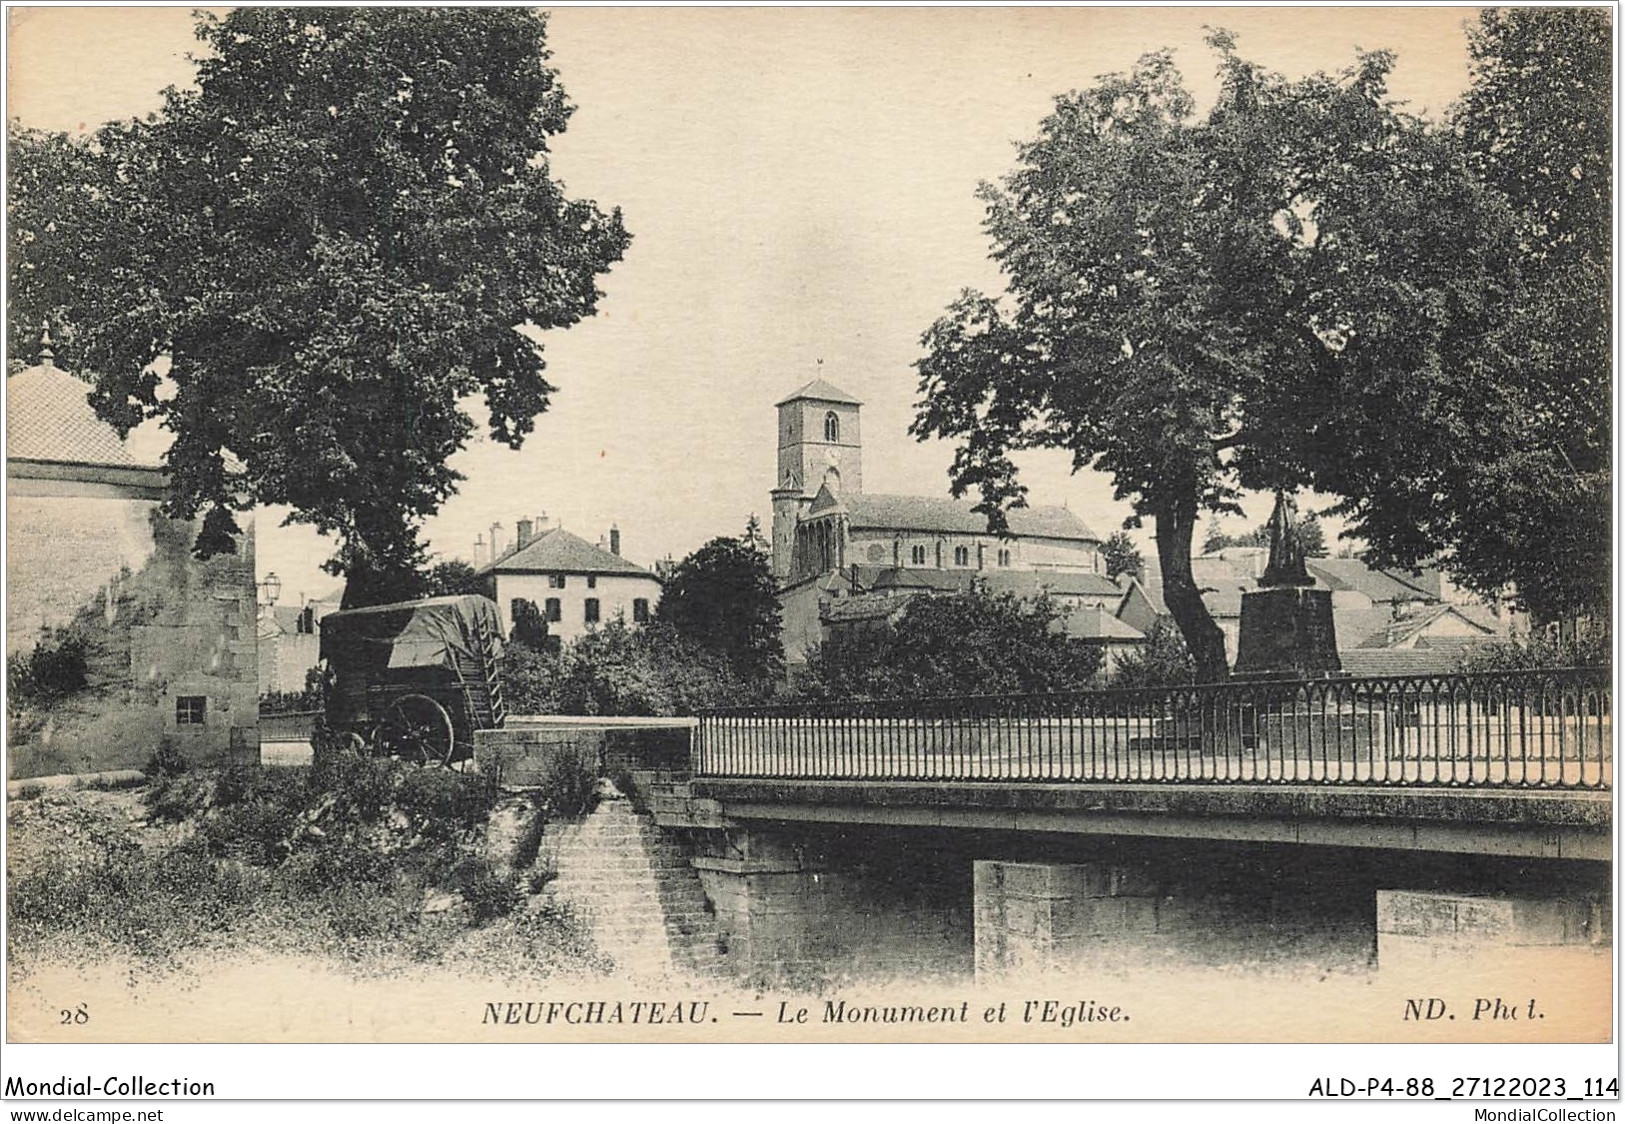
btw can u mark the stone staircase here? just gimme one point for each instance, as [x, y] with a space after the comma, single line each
[637, 889]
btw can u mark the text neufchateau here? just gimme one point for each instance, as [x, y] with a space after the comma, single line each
[87, 1086]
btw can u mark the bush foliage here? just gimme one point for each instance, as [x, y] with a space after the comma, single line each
[349, 854]
[619, 669]
[973, 643]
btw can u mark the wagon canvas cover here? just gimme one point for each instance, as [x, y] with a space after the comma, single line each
[437, 632]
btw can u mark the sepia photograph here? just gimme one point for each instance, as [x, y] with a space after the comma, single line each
[1082, 525]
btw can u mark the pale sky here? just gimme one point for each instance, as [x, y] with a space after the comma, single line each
[799, 184]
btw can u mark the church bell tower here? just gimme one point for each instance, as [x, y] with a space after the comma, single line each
[819, 444]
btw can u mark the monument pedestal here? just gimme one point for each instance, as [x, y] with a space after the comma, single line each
[1287, 632]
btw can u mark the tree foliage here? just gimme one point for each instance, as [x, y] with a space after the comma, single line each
[529, 625]
[452, 577]
[618, 669]
[1310, 533]
[334, 239]
[723, 598]
[972, 643]
[1199, 305]
[1122, 556]
[1519, 492]
[1162, 661]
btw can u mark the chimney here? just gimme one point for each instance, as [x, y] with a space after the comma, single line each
[496, 541]
[542, 525]
[479, 551]
[522, 535]
[614, 539]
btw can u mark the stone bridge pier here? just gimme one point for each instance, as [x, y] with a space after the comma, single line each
[803, 898]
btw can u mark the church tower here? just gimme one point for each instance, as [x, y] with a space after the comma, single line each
[819, 444]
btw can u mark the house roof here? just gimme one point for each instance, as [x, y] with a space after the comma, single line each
[1151, 593]
[49, 418]
[1404, 630]
[559, 552]
[1379, 585]
[866, 511]
[1436, 658]
[1098, 624]
[820, 391]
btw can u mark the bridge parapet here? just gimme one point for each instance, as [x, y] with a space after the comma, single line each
[1524, 730]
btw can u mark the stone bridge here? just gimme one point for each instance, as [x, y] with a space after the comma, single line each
[1348, 822]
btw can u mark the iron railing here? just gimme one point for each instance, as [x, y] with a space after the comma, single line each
[1519, 729]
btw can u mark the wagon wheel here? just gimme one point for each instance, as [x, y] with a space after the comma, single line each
[418, 729]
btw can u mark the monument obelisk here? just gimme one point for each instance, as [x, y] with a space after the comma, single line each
[1286, 623]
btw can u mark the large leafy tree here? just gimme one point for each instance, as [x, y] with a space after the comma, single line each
[723, 598]
[335, 240]
[1193, 302]
[1520, 497]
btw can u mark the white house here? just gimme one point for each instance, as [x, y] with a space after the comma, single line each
[573, 583]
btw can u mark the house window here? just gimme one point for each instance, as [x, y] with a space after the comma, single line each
[592, 610]
[832, 427]
[555, 611]
[592, 581]
[640, 610]
[961, 556]
[555, 581]
[1004, 557]
[917, 555]
[190, 709]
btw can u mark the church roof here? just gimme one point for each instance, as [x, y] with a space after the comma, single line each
[559, 552]
[49, 418]
[932, 513]
[820, 391]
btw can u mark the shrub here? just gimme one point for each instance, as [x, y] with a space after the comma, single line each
[1163, 661]
[530, 680]
[569, 785]
[166, 761]
[55, 668]
[488, 893]
[361, 788]
[1544, 648]
[338, 864]
[258, 831]
[179, 796]
[444, 805]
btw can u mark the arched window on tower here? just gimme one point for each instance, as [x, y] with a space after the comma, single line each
[832, 427]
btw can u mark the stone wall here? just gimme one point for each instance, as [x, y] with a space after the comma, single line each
[170, 646]
[1433, 925]
[518, 754]
[800, 908]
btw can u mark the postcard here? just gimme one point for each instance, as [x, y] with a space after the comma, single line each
[1081, 526]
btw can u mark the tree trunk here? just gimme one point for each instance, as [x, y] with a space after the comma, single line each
[1176, 527]
[382, 561]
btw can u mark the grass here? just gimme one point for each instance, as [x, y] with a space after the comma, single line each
[360, 859]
